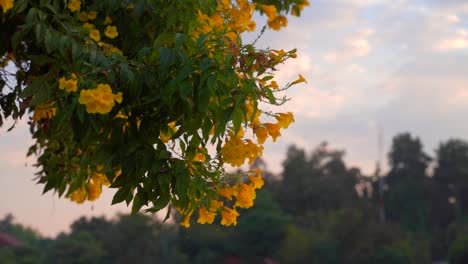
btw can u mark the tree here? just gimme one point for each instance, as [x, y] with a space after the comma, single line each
[318, 182]
[80, 247]
[407, 199]
[452, 173]
[131, 94]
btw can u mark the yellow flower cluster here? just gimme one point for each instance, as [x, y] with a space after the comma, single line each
[300, 7]
[229, 19]
[207, 216]
[92, 189]
[275, 21]
[94, 33]
[87, 16]
[99, 100]
[244, 195]
[262, 131]
[236, 150]
[44, 111]
[69, 85]
[6, 5]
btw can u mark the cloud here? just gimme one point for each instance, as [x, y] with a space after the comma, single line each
[352, 47]
[456, 42]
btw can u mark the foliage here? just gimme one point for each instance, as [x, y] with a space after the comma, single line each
[319, 181]
[273, 230]
[150, 97]
[459, 250]
[411, 188]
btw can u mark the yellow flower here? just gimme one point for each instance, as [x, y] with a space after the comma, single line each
[116, 50]
[186, 222]
[79, 195]
[245, 196]
[99, 100]
[229, 216]
[227, 192]
[6, 5]
[273, 85]
[94, 190]
[285, 119]
[270, 11]
[166, 136]
[261, 134]
[88, 26]
[107, 21]
[256, 181]
[205, 216]
[199, 157]
[215, 205]
[100, 178]
[44, 111]
[299, 80]
[278, 22]
[92, 15]
[273, 130]
[95, 35]
[118, 97]
[111, 32]
[83, 16]
[74, 5]
[70, 85]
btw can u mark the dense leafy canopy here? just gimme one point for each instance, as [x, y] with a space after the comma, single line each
[152, 97]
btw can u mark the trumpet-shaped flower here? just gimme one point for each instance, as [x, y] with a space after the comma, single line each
[299, 80]
[245, 196]
[111, 32]
[44, 111]
[285, 119]
[205, 216]
[273, 130]
[74, 5]
[95, 35]
[229, 216]
[6, 5]
[257, 181]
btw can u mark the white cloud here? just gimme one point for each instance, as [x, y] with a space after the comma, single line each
[458, 41]
[352, 47]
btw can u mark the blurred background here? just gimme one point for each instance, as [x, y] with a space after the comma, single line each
[387, 89]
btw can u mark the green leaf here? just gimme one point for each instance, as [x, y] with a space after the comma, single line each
[50, 41]
[271, 97]
[126, 74]
[167, 58]
[179, 40]
[39, 30]
[76, 50]
[168, 213]
[136, 206]
[21, 5]
[121, 195]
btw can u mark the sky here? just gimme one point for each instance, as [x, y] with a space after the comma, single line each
[389, 65]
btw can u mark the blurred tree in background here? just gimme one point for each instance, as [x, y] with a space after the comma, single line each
[330, 222]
